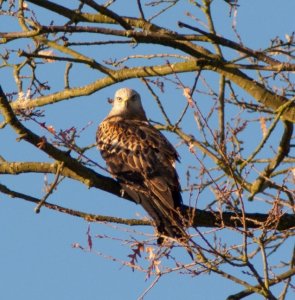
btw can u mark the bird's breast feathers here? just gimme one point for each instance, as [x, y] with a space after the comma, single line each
[136, 143]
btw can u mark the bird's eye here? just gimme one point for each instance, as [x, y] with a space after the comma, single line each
[119, 99]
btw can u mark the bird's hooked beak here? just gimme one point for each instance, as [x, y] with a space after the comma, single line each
[125, 102]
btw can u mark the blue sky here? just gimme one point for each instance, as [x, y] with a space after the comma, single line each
[36, 255]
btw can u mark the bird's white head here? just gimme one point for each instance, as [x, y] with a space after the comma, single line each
[127, 104]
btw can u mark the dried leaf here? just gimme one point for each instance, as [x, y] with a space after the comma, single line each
[187, 95]
[150, 252]
[89, 238]
[51, 129]
[77, 246]
[138, 247]
[156, 266]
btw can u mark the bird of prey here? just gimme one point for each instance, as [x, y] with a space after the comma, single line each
[142, 160]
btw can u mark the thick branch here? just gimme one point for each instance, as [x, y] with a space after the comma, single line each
[106, 12]
[88, 217]
[283, 150]
[201, 218]
[247, 292]
[93, 179]
[92, 18]
[259, 92]
[117, 76]
[173, 40]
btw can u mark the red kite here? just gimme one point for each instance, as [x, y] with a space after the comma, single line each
[142, 160]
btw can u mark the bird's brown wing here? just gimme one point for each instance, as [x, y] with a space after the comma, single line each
[142, 159]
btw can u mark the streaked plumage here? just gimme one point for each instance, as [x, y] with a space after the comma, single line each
[142, 160]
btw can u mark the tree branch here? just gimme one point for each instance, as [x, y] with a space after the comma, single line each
[208, 61]
[106, 12]
[283, 150]
[117, 76]
[247, 292]
[76, 17]
[75, 170]
[202, 218]
[88, 217]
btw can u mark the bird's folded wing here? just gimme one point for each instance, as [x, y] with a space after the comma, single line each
[139, 154]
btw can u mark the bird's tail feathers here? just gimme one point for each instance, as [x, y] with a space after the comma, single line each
[169, 221]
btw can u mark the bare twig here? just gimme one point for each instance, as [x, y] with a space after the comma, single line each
[51, 188]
